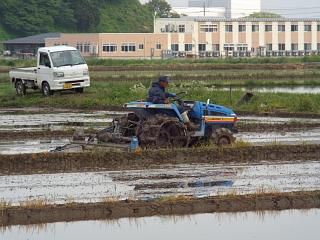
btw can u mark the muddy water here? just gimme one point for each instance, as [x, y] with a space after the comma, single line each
[284, 89]
[53, 121]
[290, 224]
[195, 180]
[32, 146]
[276, 120]
[306, 136]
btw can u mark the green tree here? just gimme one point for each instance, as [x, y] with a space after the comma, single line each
[161, 9]
[35, 16]
[264, 15]
[86, 13]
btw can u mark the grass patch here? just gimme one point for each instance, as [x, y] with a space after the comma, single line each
[35, 204]
[103, 94]
[252, 60]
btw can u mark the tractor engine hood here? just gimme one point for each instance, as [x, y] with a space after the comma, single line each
[199, 110]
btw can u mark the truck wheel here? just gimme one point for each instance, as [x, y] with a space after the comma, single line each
[79, 90]
[20, 88]
[46, 91]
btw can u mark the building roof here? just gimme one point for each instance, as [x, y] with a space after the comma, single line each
[36, 39]
[57, 49]
[245, 19]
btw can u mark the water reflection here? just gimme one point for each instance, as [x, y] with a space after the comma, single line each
[291, 224]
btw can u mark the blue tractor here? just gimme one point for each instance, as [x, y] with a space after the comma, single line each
[164, 126]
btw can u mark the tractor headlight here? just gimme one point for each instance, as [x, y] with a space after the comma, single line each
[58, 74]
[86, 73]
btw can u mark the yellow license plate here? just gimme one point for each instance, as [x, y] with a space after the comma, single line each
[67, 85]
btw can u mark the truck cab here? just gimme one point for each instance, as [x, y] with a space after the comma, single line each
[58, 68]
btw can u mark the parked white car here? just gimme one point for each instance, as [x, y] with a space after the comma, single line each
[58, 68]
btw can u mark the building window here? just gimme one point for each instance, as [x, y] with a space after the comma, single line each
[209, 28]
[229, 28]
[281, 28]
[80, 47]
[269, 47]
[294, 46]
[307, 27]
[255, 28]
[242, 47]
[318, 28]
[128, 47]
[175, 47]
[188, 47]
[242, 28]
[158, 46]
[141, 46]
[202, 47]
[282, 47]
[109, 47]
[228, 47]
[182, 28]
[318, 46]
[268, 28]
[294, 28]
[216, 47]
[86, 47]
[307, 46]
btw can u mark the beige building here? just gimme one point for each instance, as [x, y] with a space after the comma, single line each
[203, 37]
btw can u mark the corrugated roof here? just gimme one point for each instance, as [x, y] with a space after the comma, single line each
[36, 39]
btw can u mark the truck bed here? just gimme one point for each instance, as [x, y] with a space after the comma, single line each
[24, 73]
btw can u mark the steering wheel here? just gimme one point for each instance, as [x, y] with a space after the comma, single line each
[179, 97]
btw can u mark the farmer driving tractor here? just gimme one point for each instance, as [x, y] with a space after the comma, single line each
[158, 95]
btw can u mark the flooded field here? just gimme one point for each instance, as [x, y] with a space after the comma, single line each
[53, 121]
[281, 89]
[282, 137]
[193, 180]
[41, 130]
[277, 225]
[31, 146]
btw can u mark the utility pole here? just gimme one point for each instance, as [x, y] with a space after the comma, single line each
[204, 8]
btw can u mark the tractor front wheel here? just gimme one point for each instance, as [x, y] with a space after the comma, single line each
[222, 136]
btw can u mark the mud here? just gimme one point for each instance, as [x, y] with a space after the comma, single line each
[175, 206]
[243, 127]
[93, 161]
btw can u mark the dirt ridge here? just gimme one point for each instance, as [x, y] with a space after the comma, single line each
[113, 161]
[176, 206]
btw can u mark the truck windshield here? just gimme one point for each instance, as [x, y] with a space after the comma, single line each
[66, 58]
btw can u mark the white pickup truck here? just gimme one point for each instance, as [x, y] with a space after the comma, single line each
[58, 68]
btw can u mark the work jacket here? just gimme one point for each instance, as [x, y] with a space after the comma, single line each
[158, 94]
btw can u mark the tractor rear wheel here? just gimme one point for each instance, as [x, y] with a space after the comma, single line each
[161, 131]
[222, 136]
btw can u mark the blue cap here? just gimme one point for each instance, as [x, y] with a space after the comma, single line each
[164, 79]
